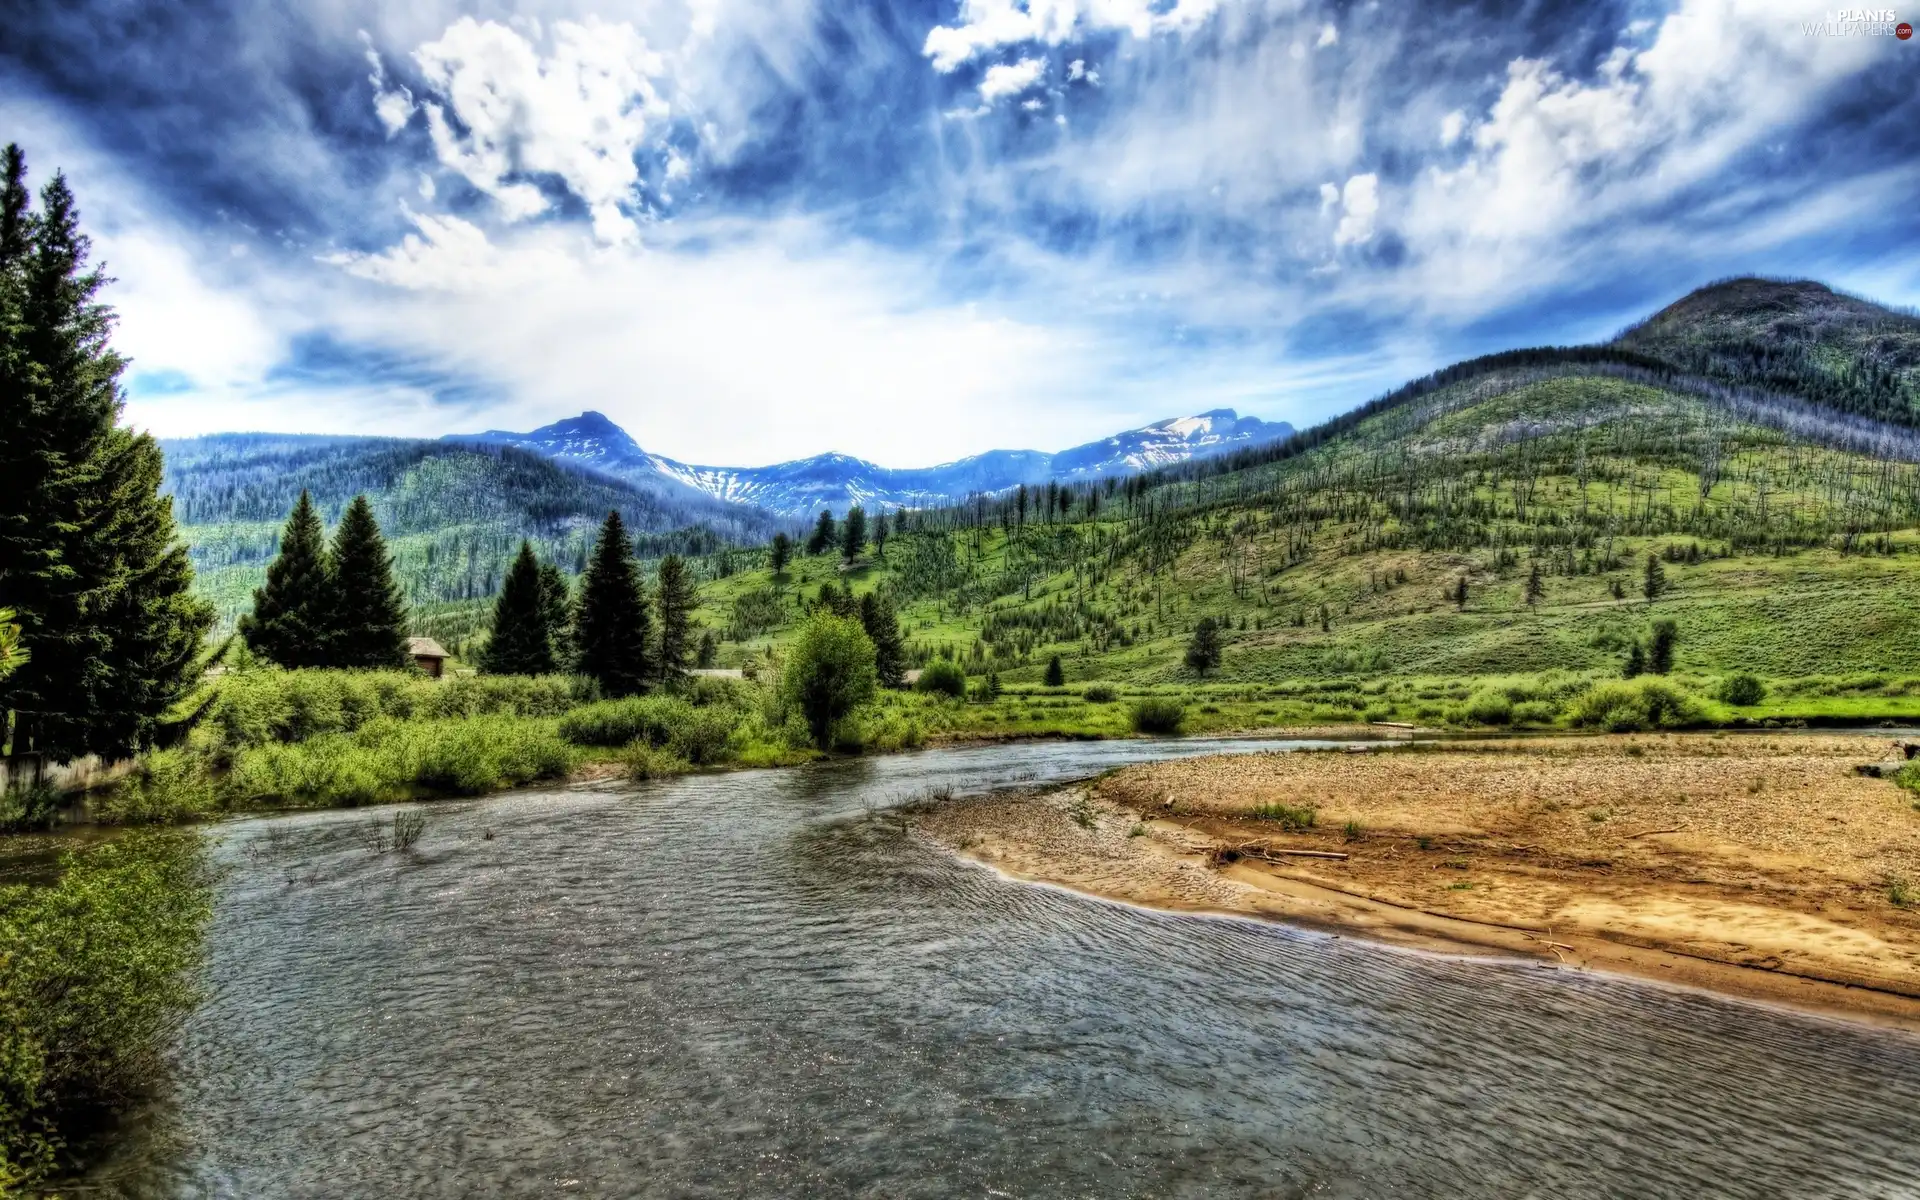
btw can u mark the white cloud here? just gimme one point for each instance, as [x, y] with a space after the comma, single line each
[986, 25]
[393, 105]
[580, 113]
[1329, 196]
[1010, 79]
[1359, 205]
[1329, 36]
[1452, 126]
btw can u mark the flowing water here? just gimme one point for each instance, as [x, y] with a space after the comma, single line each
[753, 985]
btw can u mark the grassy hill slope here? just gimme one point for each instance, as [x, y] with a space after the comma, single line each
[1785, 529]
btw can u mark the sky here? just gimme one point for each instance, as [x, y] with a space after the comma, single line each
[756, 231]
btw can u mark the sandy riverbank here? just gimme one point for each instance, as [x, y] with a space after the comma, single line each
[1751, 864]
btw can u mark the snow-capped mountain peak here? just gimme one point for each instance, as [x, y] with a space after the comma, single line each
[836, 481]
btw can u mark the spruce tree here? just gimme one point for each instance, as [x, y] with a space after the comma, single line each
[678, 599]
[1536, 587]
[292, 622]
[556, 599]
[882, 624]
[880, 534]
[88, 557]
[522, 639]
[1660, 647]
[1203, 651]
[853, 533]
[1654, 582]
[612, 629]
[822, 533]
[370, 618]
[1056, 675]
[780, 552]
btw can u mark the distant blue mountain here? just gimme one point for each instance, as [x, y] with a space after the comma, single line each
[837, 481]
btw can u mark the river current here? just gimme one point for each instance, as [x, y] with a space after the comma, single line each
[759, 984]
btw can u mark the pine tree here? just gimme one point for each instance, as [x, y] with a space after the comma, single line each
[882, 624]
[556, 599]
[822, 533]
[1536, 587]
[780, 553]
[1660, 647]
[1460, 594]
[522, 639]
[880, 534]
[292, 622]
[853, 533]
[612, 629]
[88, 556]
[1655, 580]
[1203, 651]
[1056, 675]
[678, 599]
[1636, 661]
[369, 617]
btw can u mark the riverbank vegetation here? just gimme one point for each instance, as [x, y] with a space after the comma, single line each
[97, 969]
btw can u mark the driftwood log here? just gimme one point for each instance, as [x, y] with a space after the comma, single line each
[1260, 852]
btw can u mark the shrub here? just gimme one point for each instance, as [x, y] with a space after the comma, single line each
[617, 722]
[1490, 707]
[1099, 693]
[830, 673]
[943, 677]
[170, 785]
[1158, 714]
[1535, 712]
[99, 969]
[649, 762]
[702, 736]
[32, 807]
[390, 759]
[1742, 690]
[1648, 702]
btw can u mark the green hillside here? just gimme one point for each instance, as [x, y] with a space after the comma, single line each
[1785, 530]
[454, 514]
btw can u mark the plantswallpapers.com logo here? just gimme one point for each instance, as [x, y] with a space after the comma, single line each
[1860, 22]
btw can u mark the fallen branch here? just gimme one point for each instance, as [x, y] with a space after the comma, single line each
[1651, 832]
[1254, 850]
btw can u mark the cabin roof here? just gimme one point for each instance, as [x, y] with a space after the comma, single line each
[425, 647]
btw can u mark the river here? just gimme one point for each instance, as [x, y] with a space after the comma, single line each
[758, 984]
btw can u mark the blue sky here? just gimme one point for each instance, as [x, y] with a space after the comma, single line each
[758, 231]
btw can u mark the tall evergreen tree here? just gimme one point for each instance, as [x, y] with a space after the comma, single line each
[1536, 586]
[853, 533]
[1203, 651]
[822, 533]
[88, 556]
[369, 616]
[612, 629]
[780, 552]
[880, 535]
[522, 638]
[292, 622]
[556, 597]
[1654, 582]
[882, 624]
[678, 598]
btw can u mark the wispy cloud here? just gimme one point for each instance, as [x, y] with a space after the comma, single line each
[744, 226]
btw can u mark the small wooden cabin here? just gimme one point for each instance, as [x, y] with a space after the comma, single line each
[428, 655]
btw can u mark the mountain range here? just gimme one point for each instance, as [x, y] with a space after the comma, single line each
[837, 481]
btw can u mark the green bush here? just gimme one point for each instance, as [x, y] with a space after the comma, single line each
[1535, 712]
[32, 807]
[1158, 714]
[257, 707]
[96, 973]
[617, 722]
[170, 786]
[829, 674]
[1099, 693]
[702, 736]
[942, 676]
[1490, 707]
[1742, 690]
[391, 759]
[1648, 702]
